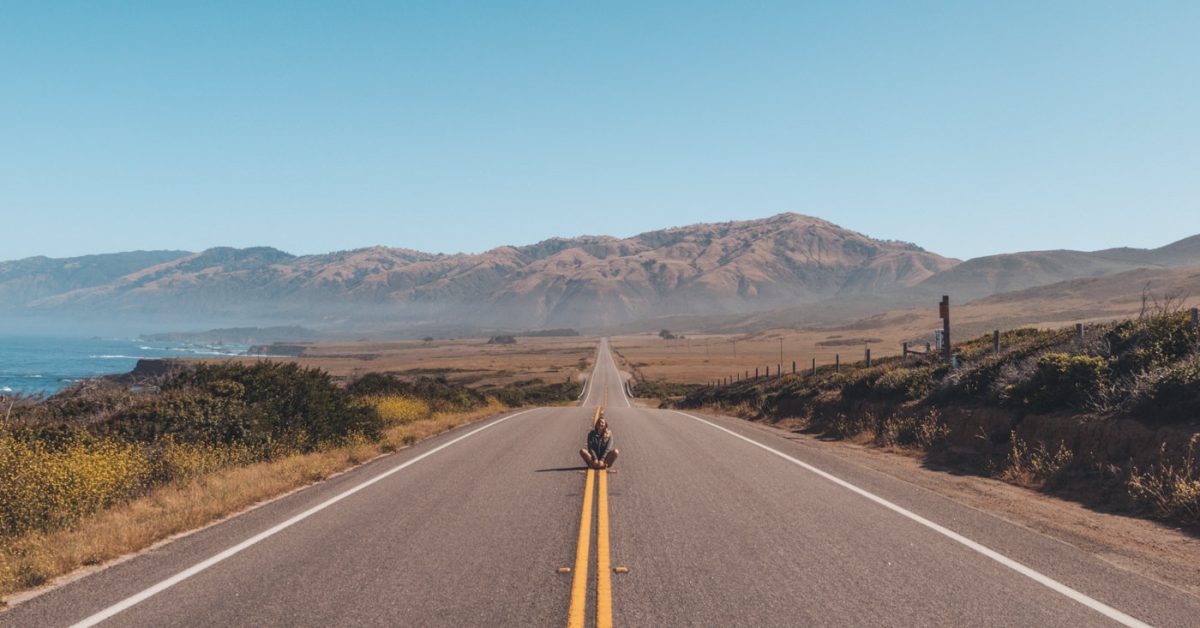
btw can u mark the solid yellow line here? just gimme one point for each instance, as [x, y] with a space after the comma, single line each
[597, 415]
[578, 607]
[603, 572]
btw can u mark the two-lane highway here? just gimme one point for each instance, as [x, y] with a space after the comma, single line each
[718, 522]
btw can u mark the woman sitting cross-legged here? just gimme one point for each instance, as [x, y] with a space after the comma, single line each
[599, 453]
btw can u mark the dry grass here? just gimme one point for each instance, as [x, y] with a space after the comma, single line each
[468, 360]
[35, 558]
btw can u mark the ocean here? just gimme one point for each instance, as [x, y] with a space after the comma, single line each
[39, 364]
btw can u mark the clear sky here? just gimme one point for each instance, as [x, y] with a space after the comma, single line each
[967, 127]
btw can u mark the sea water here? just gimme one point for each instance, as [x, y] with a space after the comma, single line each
[33, 365]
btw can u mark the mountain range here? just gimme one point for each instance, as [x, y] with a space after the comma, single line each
[704, 270]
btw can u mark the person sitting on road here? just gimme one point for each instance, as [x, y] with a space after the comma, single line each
[599, 453]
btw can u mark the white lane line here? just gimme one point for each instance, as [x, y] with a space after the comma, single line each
[617, 374]
[595, 368]
[201, 566]
[1038, 577]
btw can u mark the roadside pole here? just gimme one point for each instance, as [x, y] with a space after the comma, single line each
[944, 312]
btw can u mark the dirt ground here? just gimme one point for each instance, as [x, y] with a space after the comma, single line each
[470, 361]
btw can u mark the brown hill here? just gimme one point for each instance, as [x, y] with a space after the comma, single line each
[588, 281]
[1016, 271]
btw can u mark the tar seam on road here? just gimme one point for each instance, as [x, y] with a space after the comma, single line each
[205, 564]
[603, 571]
[1020, 568]
[575, 615]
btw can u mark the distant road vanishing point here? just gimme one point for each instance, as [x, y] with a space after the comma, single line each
[706, 521]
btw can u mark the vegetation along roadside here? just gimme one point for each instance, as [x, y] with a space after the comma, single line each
[1109, 417]
[104, 469]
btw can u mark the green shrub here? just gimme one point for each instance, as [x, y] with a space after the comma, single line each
[1174, 390]
[1153, 340]
[535, 392]
[271, 400]
[1066, 380]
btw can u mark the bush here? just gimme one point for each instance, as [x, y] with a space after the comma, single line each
[1065, 380]
[44, 485]
[1173, 390]
[1169, 489]
[276, 401]
[925, 432]
[398, 409]
[1035, 465]
[536, 392]
[440, 394]
[1152, 340]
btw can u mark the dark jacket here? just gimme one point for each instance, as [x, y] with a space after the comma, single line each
[598, 445]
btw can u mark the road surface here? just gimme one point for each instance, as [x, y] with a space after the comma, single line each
[717, 522]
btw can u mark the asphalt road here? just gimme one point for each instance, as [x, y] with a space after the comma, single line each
[718, 522]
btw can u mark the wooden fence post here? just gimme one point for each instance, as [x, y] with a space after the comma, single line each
[944, 311]
[904, 350]
[793, 367]
[837, 363]
[1196, 317]
[996, 341]
[814, 366]
[868, 357]
[1079, 331]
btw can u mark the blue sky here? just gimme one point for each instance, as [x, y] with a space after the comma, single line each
[967, 127]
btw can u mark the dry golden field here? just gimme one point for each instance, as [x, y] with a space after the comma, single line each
[470, 361]
[700, 358]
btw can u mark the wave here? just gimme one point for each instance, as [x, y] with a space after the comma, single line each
[115, 357]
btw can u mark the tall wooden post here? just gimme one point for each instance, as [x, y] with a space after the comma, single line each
[814, 366]
[1079, 331]
[837, 363]
[904, 351]
[868, 357]
[995, 341]
[793, 367]
[756, 372]
[944, 312]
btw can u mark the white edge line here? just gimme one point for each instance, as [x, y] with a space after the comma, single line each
[205, 564]
[1020, 568]
[617, 371]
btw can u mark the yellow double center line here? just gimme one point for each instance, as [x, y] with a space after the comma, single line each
[603, 571]
[579, 578]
